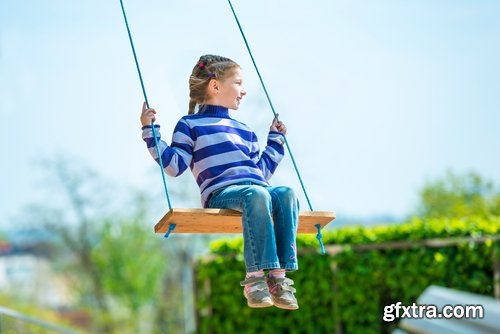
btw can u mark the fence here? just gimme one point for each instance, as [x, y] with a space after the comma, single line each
[13, 322]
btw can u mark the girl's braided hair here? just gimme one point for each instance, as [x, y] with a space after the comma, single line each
[208, 67]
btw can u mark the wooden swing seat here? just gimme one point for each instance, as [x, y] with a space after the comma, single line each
[229, 221]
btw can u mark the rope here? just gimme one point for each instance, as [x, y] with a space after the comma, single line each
[270, 103]
[319, 236]
[171, 227]
[147, 105]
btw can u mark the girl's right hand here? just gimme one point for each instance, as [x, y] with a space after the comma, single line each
[147, 115]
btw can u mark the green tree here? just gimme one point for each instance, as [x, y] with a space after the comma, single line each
[457, 196]
[72, 211]
[129, 280]
[132, 265]
[106, 249]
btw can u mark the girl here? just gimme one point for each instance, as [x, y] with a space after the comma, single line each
[223, 155]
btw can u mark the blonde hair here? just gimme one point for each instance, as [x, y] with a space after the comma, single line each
[207, 68]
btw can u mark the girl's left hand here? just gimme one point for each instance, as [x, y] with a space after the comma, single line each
[278, 126]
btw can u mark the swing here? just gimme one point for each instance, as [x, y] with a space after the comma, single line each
[229, 221]
[224, 220]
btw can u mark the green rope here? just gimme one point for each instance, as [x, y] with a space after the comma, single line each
[147, 105]
[172, 227]
[319, 236]
[270, 103]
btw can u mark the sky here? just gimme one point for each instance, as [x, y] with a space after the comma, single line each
[378, 96]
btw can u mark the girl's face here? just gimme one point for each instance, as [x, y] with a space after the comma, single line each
[230, 90]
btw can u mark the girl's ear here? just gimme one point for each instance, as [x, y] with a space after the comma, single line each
[213, 87]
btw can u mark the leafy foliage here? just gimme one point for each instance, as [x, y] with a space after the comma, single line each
[131, 267]
[349, 289]
[114, 265]
[459, 196]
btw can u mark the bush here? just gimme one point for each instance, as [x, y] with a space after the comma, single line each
[348, 290]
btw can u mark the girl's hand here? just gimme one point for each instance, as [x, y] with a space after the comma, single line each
[278, 126]
[147, 115]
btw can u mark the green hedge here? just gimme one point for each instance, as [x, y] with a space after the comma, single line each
[347, 291]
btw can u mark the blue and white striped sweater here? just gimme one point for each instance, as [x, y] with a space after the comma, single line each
[219, 150]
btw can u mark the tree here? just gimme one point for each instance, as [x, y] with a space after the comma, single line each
[459, 196]
[131, 280]
[71, 212]
[110, 255]
[132, 264]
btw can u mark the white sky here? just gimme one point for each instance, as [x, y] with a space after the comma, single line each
[378, 96]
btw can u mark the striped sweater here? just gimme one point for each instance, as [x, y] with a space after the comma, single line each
[219, 150]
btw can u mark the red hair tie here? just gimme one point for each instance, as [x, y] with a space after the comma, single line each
[201, 65]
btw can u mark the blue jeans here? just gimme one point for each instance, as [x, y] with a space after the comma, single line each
[266, 245]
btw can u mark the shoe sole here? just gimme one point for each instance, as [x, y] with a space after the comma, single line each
[267, 303]
[261, 305]
[286, 306]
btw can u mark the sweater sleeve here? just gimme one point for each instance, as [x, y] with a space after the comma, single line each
[272, 154]
[178, 156]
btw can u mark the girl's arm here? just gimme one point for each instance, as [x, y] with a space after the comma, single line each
[274, 151]
[175, 158]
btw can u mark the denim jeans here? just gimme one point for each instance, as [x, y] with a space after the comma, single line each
[266, 245]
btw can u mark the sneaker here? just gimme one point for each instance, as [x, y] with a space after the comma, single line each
[282, 293]
[256, 292]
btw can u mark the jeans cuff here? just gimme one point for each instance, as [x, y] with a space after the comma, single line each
[270, 265]
[289, 266]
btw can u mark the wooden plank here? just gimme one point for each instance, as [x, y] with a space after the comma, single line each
[229, 221]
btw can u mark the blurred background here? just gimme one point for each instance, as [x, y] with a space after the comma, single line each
[392, 112]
